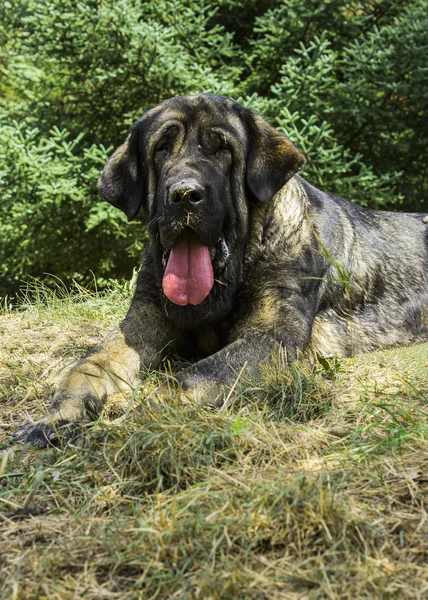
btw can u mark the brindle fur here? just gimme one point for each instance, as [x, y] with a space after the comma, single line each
[307, 270]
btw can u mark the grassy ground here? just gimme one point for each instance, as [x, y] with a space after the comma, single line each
[314, 485]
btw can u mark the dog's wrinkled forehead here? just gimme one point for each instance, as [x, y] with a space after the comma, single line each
[198, 113]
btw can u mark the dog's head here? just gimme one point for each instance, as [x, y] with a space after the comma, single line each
[193, 166]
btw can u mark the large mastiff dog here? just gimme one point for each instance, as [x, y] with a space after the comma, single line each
[244, 257]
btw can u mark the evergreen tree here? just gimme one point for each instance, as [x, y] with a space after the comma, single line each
[344, 79]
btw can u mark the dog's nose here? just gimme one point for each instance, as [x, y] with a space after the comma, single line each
[186, 191]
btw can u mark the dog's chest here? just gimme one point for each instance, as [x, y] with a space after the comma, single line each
[207, 340]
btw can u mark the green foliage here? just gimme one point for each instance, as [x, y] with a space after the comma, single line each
[52, 221]
[344, 79]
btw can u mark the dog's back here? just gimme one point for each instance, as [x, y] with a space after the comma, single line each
[374, 291]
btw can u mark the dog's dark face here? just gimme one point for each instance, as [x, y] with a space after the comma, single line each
[194, 166]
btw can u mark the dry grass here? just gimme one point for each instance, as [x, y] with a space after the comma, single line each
[312, 486]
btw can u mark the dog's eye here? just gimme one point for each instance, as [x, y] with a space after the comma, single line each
[166, 141]
[223, 152]
[162, 147]
[215, 144]
[222, 148]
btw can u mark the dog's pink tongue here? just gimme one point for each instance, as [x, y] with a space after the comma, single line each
[189, 276]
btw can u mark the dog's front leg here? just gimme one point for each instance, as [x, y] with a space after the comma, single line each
[216, 379]
[112, 366]
[275, 321]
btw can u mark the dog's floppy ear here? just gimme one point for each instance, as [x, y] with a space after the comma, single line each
[120, 183]
[272, 159]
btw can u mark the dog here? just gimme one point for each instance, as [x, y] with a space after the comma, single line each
[244, 257]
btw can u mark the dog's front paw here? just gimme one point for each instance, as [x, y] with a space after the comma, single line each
[183, 390]
[168, 393]
[45, 433]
